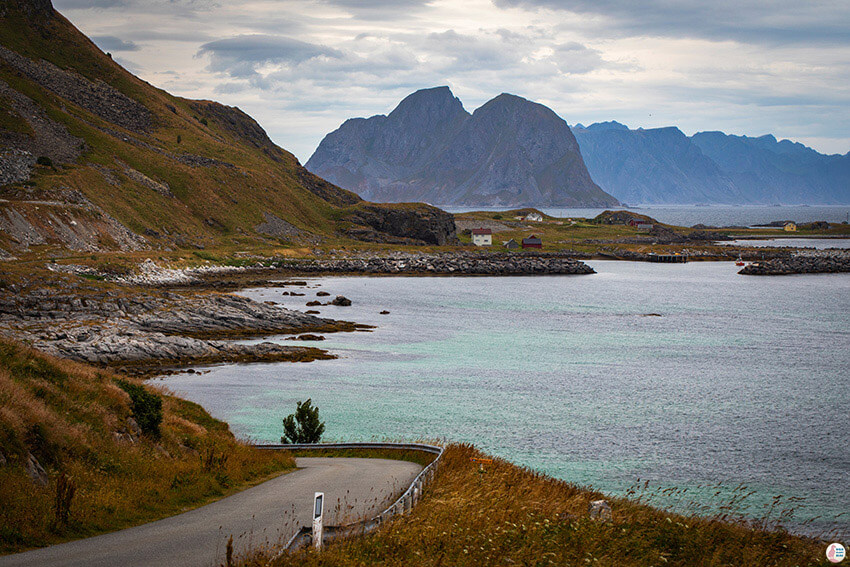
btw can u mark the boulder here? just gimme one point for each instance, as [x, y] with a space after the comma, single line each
[341, 300]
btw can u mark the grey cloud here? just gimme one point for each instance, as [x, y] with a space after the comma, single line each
[380, 9]
[240, 56]
[576, 58]
[112, 43]
[748, 21]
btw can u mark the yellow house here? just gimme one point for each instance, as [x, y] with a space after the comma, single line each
[790, 227]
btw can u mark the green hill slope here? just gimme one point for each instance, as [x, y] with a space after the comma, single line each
[93, 158]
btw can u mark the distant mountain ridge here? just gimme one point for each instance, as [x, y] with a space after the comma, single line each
[514, 152]
[663, 165]
[509, 152]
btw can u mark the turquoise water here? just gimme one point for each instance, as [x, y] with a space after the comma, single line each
[740, 380]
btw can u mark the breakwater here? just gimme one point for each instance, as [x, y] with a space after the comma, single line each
[810, 262]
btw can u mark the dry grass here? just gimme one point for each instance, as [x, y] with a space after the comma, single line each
[507, 515]
[76, 423]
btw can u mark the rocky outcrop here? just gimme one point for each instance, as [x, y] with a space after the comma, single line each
[459, 264]
[140, 329]
[417, 223]
[809, 262]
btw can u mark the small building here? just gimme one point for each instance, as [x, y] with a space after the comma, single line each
[790, 227]
[510, 244]
[534, 217]
[643, 226]
[482, 236]
[532, 242]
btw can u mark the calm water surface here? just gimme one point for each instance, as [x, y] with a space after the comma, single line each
[740, 380]
[819, 243]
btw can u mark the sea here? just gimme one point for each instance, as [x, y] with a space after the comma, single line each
[687, 385]
[711, 215]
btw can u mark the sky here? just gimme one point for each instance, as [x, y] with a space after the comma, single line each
[302, 67]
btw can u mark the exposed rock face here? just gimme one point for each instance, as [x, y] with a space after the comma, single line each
[15, 165]
[97, 97]
[46, 137]
[510, 152]
[76, 226]
[808, 262]
[422, 223]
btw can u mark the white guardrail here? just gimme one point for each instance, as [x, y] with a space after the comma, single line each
[402, 504]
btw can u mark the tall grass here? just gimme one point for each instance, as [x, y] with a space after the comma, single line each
[507, 515]
[101, 471]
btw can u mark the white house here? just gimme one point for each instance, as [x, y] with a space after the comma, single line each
[534, 217]
[482, 236]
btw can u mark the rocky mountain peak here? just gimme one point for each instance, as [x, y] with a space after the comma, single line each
[428, 105]
[609, 125]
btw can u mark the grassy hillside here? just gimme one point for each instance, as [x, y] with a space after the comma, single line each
[177, 173]
[81, 452]
[506, 515]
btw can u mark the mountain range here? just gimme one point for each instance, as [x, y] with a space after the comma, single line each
[514, 152]
[509, 152]
[663, 165]
[94, 159]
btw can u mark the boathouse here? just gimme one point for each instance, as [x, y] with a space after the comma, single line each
[510, 244]
[482, 236]
[532, 242]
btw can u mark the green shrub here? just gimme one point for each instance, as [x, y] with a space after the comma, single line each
[304, 425]
[44, 160]
[147, 407]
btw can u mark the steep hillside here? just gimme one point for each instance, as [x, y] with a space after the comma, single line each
[662, 165]
[93, 158]
[509, 152]
[84, 451]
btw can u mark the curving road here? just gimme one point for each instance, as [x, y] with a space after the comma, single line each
[266, 514]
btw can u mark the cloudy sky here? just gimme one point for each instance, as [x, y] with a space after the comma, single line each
[302, 67]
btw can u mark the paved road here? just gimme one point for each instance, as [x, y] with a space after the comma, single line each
[265, 514]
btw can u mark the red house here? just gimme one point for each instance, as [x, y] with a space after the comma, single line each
[532, 242]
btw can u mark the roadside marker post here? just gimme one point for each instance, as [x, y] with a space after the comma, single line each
[318, 514]
[481, 462]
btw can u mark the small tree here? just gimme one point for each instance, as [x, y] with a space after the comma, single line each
[303, 426]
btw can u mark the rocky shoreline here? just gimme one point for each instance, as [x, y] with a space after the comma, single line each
[808, 262]
[148, 330]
